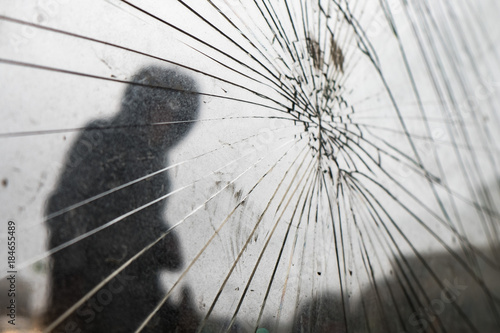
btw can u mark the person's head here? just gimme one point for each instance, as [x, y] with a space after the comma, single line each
[161, 105]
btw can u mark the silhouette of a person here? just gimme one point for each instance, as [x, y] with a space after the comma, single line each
[157, 110]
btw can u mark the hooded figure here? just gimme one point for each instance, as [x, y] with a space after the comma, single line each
[157, 110]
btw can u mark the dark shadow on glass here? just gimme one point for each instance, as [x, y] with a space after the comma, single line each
[108, 154]
[322, 314]
[433, 293]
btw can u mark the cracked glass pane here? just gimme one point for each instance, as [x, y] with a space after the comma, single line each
[250, 166]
